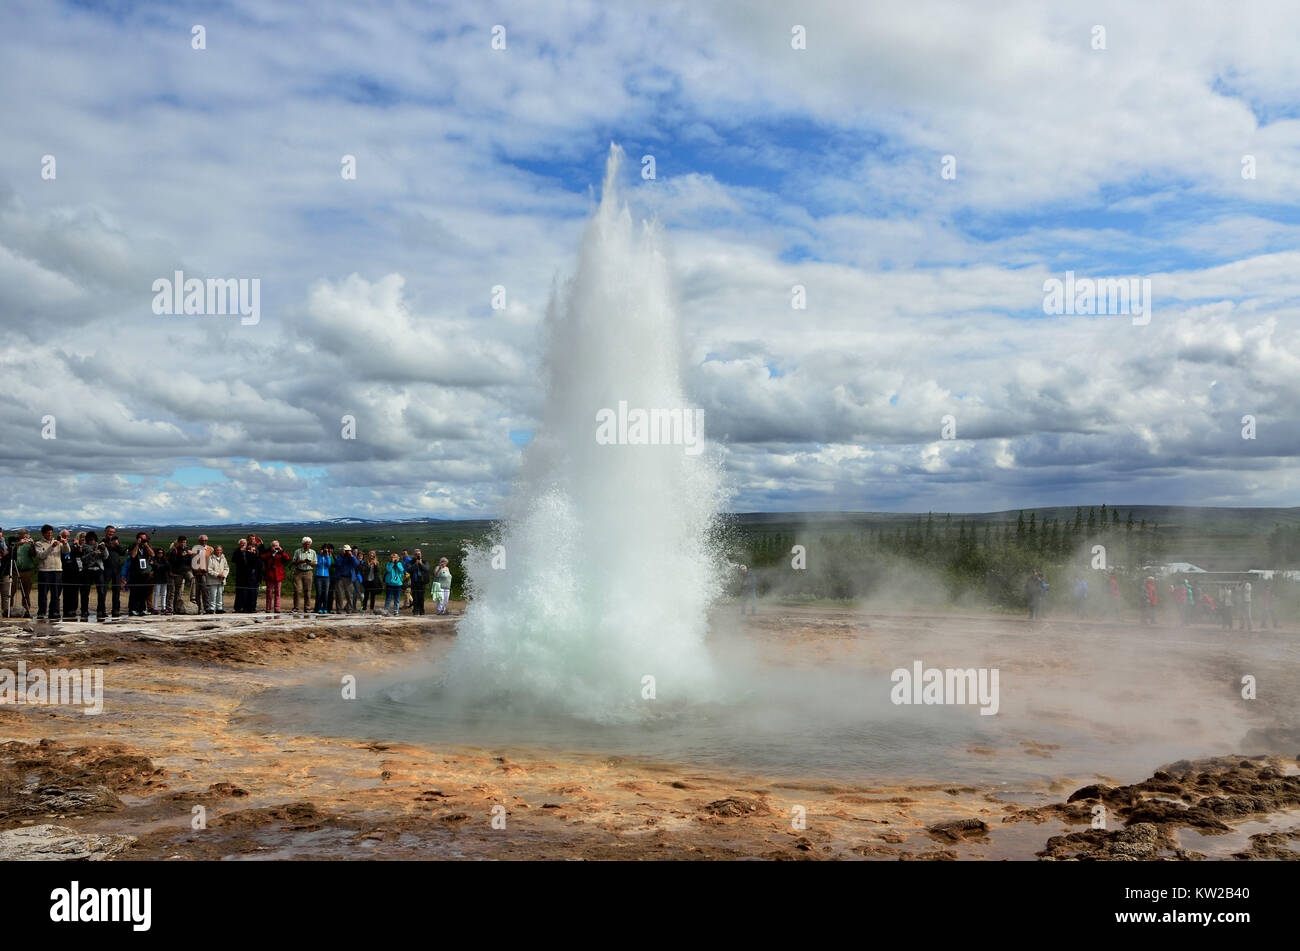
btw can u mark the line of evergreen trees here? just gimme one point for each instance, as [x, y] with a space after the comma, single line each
[1284, 547]
[989, 561]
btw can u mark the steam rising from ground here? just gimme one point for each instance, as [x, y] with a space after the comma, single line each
[609, 562]
[805, 694]
[1077, 699]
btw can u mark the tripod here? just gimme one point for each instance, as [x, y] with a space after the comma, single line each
[16, 581]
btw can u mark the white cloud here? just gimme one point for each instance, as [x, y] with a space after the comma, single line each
[776, 167]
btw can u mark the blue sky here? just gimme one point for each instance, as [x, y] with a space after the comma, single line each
[775, 167]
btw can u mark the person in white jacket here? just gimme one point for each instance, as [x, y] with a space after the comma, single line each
[443, 577]
[49, 552]
[199, 565]
[218, 569]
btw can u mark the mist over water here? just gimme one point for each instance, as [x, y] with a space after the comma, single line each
[609, 566]
[806, 696]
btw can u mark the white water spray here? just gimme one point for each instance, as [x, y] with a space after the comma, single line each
[609, 567]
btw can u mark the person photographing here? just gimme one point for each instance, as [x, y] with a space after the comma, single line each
[199, 565]
[139, 575]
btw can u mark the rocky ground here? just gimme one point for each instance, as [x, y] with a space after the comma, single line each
[168, 771]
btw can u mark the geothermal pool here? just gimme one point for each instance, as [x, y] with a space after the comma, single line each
[606, 571]
[807, 695]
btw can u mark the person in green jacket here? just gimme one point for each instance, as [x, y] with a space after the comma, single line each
[19, 567]
[26, 562]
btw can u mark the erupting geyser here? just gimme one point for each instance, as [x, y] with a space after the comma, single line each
[609, 566]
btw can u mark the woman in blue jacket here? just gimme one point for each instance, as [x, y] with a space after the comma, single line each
[394, 577]
[324, 564]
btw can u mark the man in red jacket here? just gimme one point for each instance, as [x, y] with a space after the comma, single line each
[274, 560]
[1112, 594]
[1149, 601]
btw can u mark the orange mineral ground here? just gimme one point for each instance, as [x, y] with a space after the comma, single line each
[231, 738]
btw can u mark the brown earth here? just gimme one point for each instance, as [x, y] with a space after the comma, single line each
[165, 772]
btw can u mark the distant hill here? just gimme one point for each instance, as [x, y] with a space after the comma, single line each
[1172, 519]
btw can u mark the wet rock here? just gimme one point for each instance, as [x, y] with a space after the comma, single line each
[62, 798]
[223, 790]
[1169, 789]
[870, 850]
[735, 806]
[1207, 795]
[1159, 811]
[213, 792]
[60, 844]
[956, 830]
[777, 855]
[75, 800]
[301, 816]
[1273, 847]
[1142, 841]
[123, 769]
[939, 855]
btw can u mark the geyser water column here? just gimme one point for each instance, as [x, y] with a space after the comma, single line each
[606, 566]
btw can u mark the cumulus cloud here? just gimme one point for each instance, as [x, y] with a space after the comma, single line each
[776, 168]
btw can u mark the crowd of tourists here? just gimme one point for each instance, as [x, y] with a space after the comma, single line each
[57, 572]
[1232, 605]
